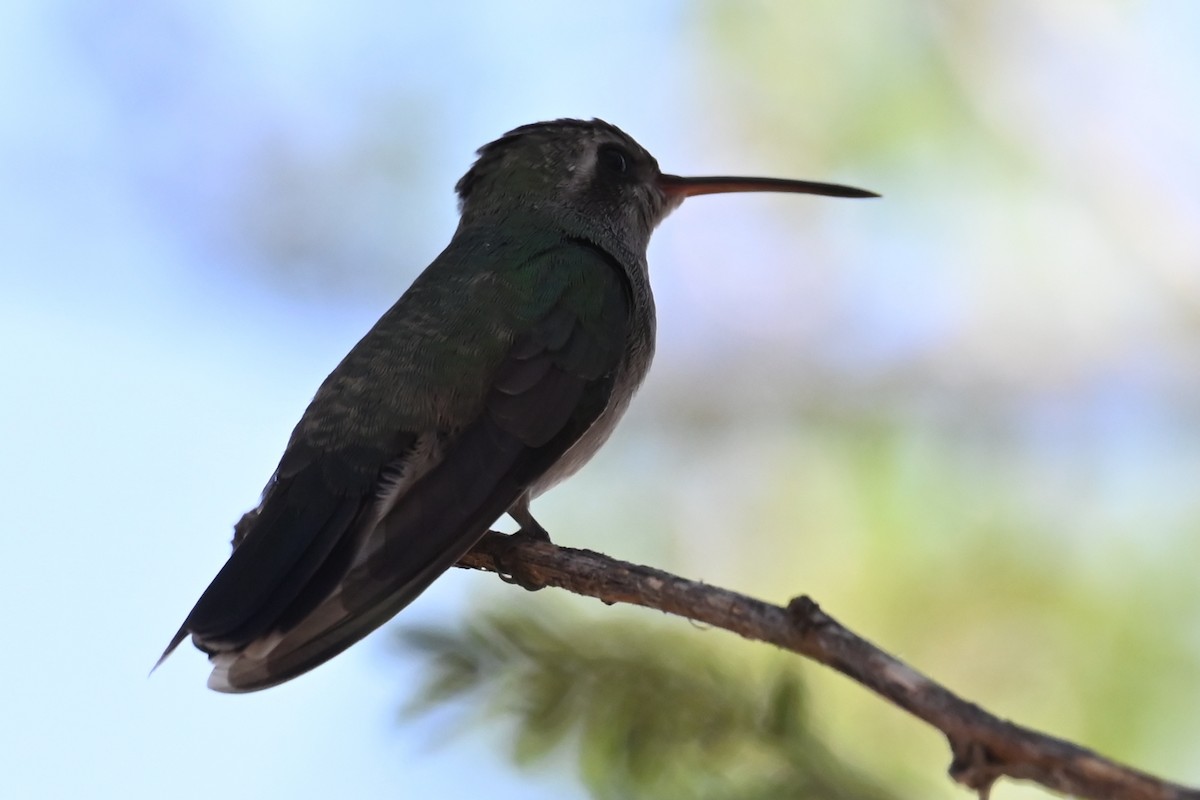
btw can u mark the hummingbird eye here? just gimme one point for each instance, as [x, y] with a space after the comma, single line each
[613, 159]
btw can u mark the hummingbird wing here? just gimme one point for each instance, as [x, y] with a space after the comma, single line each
[353, 526]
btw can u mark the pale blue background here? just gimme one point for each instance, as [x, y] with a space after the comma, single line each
[152, 374]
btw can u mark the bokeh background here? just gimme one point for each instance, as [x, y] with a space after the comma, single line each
[965, 418]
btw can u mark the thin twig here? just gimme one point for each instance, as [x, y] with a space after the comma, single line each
[984, 747]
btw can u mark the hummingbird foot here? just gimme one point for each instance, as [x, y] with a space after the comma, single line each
[509, 568]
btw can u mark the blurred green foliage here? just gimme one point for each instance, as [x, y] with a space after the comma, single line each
[976, 448]
[842, 82]
[653, 711]
[916, 544]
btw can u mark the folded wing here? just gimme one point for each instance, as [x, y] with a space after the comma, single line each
[338, 549]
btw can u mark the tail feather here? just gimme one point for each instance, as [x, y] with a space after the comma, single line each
[176, 640]
[427, 531]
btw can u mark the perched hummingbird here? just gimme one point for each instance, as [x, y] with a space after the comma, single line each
[501, 371]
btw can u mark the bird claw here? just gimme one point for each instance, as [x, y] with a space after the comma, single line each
[512, 570]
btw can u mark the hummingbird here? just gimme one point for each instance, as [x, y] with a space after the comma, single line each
[499, 372]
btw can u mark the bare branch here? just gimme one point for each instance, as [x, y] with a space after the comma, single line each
[984, 746]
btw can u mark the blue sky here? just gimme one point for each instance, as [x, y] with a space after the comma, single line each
[149, 391]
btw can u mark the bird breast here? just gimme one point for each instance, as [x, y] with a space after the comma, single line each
[630, 372]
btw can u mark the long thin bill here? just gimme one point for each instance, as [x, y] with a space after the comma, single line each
[677, 186]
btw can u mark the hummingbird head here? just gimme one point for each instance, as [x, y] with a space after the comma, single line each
[591, 168]
[599, 173]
